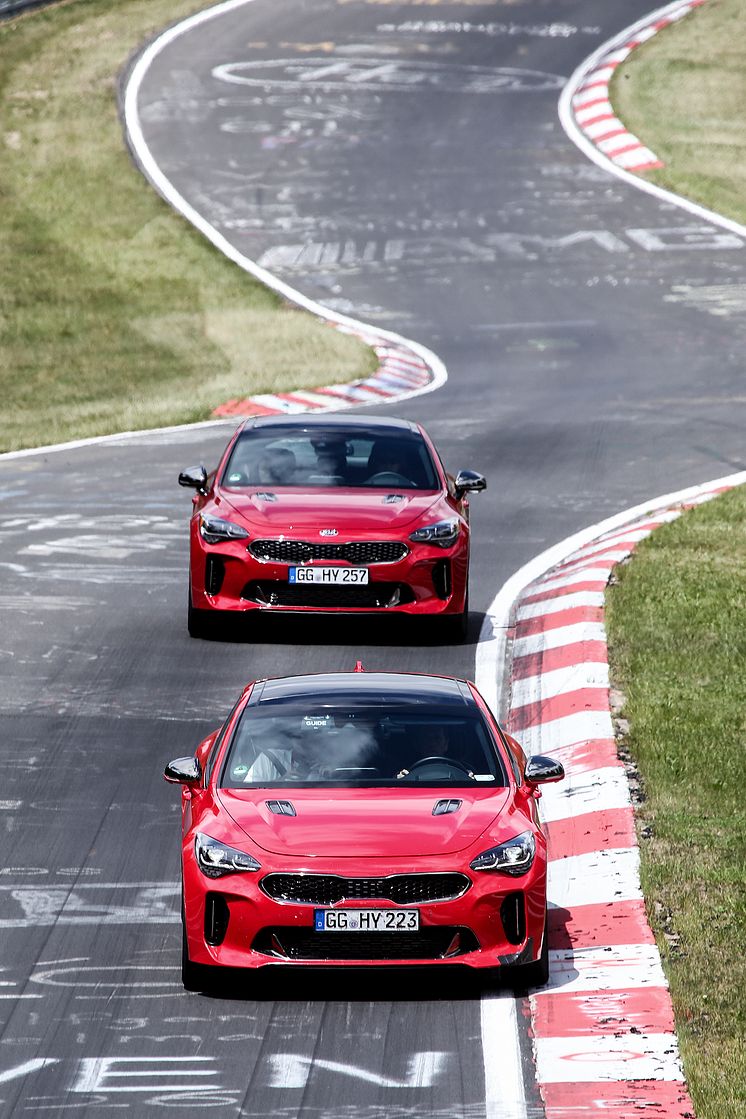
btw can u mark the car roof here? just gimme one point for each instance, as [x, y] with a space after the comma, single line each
[364, 689]
[379, 425]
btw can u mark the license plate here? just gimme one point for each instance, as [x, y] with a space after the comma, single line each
[333, 576]
[366, 920]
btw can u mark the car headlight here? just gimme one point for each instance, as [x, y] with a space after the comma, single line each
[514, 857]
[442, 533]
[215, 529]
[216, 859]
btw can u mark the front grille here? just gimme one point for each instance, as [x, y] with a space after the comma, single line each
[327, 889]
[373, 596]
[434, 943]
[302, 551]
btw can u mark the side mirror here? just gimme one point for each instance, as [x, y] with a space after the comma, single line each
[195, 478]
[468, 481]
[540, 770]
[183, 771]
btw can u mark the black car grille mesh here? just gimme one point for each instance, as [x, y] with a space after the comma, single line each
[432, 943]
[327, 889]
[319, 596]
[301, 551]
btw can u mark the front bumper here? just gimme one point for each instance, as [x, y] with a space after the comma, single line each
[428, 580]
[231, 922]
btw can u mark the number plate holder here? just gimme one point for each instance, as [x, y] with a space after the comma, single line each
[366, 920]
[329, 576]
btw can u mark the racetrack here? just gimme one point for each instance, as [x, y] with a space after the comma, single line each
[410, 178]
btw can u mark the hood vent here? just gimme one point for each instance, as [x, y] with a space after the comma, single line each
[445, 807]
[281, 807]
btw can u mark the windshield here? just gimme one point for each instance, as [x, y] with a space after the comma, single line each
[398, 460]
[370, 747]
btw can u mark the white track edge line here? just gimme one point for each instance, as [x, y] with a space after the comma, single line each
[574, 132]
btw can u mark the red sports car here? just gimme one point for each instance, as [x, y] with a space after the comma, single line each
[362, 818]
[334, 514]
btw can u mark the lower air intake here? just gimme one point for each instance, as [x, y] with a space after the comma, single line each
[443, 942]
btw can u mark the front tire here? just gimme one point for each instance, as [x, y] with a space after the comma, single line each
[195, 977]
[537, 973]
[200, 623]
[455, 627]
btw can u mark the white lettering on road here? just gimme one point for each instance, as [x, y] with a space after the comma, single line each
[44, 905]
[26, 1069]
[684, 237]
[519, 246]
[385, 76]
[292, 1070]
[140, 1074]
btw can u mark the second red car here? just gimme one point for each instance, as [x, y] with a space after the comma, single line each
[333, 514]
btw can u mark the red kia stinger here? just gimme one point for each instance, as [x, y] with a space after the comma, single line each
[372, 819]
[333, 514]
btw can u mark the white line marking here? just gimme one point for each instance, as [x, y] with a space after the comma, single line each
[616, 968]
[557, 604]
[597, 790]
[504, 1096]
[556, 638]
[534, 689]
[572, 1060]
[593, 879]
[555, 734]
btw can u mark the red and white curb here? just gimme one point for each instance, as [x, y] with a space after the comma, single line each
[400, 373]
[603, 1030]
[590, 104]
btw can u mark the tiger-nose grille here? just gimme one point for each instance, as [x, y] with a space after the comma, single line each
[327, 889]
[303, 551]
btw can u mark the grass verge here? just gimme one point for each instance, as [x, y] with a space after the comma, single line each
[114, 313]
[677, 646]
[683, 94]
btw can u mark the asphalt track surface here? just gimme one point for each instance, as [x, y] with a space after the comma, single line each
[594, 344]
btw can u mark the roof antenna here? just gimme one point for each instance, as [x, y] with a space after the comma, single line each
[358, 667]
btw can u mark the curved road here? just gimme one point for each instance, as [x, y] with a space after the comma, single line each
[405, 164]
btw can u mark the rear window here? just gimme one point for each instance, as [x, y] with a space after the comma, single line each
[330, 458]
[368, 747]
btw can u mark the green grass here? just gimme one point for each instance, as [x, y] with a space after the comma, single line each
[114, 313]
[677, 644]
[684, 95]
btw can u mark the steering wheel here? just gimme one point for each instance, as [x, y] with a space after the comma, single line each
[436, 759]
[389, 478]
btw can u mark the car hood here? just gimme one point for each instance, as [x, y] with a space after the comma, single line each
[346, 510]
[371, 823]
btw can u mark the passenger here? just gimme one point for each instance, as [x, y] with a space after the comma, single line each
[277, 467]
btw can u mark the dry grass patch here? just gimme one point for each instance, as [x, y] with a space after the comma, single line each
[684, 95]
[677, 646]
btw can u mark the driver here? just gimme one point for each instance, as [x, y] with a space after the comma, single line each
[387, 458]
[437, 745]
